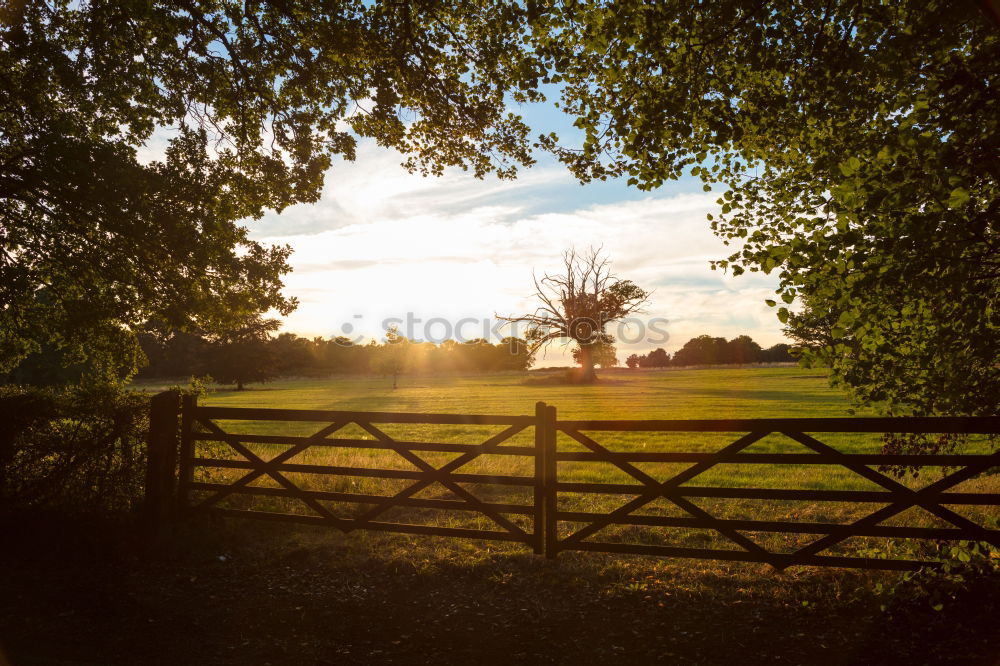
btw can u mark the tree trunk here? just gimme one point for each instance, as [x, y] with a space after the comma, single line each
[394, 375]
[587, 373]
[239, 384]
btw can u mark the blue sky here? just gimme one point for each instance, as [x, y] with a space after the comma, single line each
[383, 243]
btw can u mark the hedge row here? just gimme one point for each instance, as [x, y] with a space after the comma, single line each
[76, 450]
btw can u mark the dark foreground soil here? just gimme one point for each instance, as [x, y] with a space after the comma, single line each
[261, 594]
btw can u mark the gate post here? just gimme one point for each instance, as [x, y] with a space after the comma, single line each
[549, 475]
[185, 468]
[539, 490]
[161, 459]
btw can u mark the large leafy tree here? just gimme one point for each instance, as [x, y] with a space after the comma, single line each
[603, 354]
[858, 147]
[658, 358]
[254, 98]
[741, 349]
[856, 143]
[702, 350]
[244, 354]
[577, 304]
[395, 356]
[516, 354]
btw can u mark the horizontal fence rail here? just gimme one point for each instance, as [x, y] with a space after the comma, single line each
[200, 425]
[547, 522]
[984, 425]
[894, 496]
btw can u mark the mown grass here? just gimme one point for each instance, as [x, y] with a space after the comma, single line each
[681, 394]
[674, 394]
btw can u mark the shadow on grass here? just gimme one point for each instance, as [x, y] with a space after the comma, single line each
[254, 593]
[786, 396]
[572, 379]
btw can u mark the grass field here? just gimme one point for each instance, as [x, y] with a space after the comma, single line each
[673, 394]
[682, 394]
[221, 591]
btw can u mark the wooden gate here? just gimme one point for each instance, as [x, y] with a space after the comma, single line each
[199, 424]
[894, 497]
[543, 519]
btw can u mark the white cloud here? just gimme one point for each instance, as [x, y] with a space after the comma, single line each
[155, 149]
[375, 187]
[382, 243]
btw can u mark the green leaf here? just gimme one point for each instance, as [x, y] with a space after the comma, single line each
[850, 166]
[958, 197]
[846, 318]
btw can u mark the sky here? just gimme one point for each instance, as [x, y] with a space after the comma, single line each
[441, 256]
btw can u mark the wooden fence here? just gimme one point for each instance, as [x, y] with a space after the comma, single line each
[542, 520]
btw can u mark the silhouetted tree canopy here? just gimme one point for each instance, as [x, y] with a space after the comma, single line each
[245, 354]
[857, 145]
[741, 349]
[394, 356]
[813, 328]
[577, 303]
[176, 354]
[779, 353]
[519, 355]
[603, 354]
[702, 350]
[708, 350]
[658, 358]
[254, 99]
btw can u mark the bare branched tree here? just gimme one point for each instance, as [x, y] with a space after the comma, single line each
[578, 303]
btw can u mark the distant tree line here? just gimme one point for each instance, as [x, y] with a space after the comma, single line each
[255, 353]
[252, 354]
[708, 350]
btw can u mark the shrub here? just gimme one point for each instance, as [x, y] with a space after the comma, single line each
[960, 567]
[79, 449]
